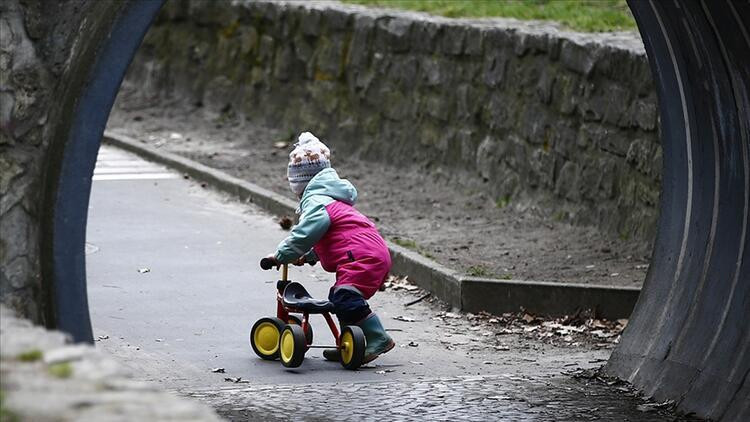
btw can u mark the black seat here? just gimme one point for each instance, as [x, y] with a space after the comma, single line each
[296, 296]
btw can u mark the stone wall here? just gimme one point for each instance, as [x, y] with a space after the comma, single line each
[525, 111]
[46, 48]
[34, 57]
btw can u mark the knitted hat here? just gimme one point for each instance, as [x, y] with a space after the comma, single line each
[308, 157]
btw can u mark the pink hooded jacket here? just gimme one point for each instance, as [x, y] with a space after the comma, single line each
[333, 231]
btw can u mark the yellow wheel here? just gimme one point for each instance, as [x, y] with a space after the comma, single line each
[264, 337]
[294, 319]
[292, 346]
[352, 343]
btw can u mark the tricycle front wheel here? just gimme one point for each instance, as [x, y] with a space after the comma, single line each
[264, 337]
[292, 346]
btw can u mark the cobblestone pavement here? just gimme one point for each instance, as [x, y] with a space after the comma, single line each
[504, 397]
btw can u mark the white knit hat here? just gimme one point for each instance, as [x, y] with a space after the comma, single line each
[307, 159]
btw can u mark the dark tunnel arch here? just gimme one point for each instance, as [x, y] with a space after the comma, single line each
[688, 338]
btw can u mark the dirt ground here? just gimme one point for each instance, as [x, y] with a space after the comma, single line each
[431, 213]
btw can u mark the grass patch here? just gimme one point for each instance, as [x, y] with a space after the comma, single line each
[478, 271]
[32, 355]
[506, 276]
[5, 414]
[407, 243]
[61, 370]
[412, 245]
[579, 15]
[503, 202]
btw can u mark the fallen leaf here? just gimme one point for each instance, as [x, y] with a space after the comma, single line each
[104, 337]
[404, 318]
[413, 344]
[218, 370]
[144, 270]
[280, 144]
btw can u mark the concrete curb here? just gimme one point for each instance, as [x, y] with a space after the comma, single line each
[468, 293]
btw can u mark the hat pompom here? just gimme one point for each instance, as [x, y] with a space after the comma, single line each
[307, 159]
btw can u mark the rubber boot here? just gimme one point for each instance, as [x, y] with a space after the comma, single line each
[378, 341]
[332, 354]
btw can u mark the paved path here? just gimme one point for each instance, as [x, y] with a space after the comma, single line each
[174, 287]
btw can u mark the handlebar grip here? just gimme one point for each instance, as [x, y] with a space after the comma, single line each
[267, 263]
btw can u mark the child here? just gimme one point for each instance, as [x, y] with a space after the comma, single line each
[346, 242]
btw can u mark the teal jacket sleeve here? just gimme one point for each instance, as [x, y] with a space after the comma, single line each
[313, 224]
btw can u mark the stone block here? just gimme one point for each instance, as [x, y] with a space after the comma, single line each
[495, 63]
[284, 63]
[405, 70]
[424, 35]
[578, 58]
[359, 48]
[336, 20]
[566, 185]
[645, 113]
[438, 106]
[392, 34]
[432, 73]
[474, 41]
[310, 22]
[266, 48]
[452, 39]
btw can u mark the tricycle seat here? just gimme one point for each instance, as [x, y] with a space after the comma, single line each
[295, 296]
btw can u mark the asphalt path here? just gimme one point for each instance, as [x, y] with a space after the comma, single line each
[174, 286]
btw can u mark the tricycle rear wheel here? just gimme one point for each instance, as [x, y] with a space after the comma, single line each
[294, 319]
[352, 347]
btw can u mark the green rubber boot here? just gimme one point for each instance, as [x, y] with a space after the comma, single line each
[332, 354]
[378, 341]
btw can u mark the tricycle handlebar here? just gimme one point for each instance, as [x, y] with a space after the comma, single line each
[267, 263]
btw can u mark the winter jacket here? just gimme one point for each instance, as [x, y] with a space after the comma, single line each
[332, 231]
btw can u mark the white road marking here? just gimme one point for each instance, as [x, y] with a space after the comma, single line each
[135, 176]
[114, 164]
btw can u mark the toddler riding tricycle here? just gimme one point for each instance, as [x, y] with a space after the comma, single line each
[289, 337]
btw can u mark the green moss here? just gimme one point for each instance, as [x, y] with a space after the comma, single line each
[579, 15]
[560, 216]
[230, 29]
[506, 276]
[407, 243]
[478, 271]
[32, 355]
[60, 370]
[624, 235]
[503, 202]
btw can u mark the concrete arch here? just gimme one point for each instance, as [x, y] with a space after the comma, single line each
[688, 338]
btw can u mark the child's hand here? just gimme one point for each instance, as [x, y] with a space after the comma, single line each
[300, 261]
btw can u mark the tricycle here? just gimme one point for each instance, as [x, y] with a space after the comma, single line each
[288, 337]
